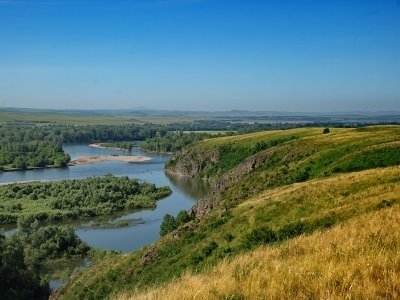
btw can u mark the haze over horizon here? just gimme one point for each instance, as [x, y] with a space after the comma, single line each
[208, 55]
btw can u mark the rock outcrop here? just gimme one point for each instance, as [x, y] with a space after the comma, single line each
[191, 162]
[196, 162]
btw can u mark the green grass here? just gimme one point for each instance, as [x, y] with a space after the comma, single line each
[268, 204]
[318, 156]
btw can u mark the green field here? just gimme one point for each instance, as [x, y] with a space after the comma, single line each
[83, 117]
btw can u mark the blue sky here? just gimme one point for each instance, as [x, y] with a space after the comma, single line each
[293, 55]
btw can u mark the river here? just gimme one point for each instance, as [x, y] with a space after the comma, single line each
[143, 228]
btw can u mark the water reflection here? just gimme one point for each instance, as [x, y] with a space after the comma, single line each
[194, 188]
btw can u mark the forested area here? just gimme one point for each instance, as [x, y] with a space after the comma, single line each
[23, 255]
[23, 148]
[128, 132]
[71, 199]
[104, 133]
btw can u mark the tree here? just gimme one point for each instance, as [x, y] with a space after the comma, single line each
[18, 280]
[169, 224]
[183, 217]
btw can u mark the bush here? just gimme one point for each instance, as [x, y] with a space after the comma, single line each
[259, 236]
[209, 248]
[325, 131]
[322, 223]
[196, 259]
[228, 237]
[290, 230]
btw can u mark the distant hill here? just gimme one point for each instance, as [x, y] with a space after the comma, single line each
[234, 115]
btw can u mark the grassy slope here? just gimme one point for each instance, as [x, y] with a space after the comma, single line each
[358, 259]
[271, 198]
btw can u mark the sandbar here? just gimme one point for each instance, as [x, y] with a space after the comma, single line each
[18, 182]
[100, 158]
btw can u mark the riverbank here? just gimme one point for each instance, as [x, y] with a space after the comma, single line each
[18, 182]
[101, 158]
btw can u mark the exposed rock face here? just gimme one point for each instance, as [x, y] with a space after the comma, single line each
[205, 204]
[196, 161]
[191, 162]
[249, 164]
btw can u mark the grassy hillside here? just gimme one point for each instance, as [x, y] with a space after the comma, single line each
[358, 259]
[248, 164]
[265, 198]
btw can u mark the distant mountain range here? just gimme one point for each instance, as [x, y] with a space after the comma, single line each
[228, 113]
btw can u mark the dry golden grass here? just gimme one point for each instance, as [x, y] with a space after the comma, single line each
[358, 259]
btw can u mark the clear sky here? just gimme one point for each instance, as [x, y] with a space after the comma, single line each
[277, 55]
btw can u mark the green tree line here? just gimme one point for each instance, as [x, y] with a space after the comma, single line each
[21, 149]
[118, 145]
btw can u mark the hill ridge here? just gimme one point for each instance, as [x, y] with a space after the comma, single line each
[270, 206]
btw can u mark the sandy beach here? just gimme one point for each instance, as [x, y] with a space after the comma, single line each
[18, 182]
[96, 159]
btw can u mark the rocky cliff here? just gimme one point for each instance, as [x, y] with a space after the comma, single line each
[200, 162]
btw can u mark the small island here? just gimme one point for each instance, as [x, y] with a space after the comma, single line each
[72, 199]
[101, 158]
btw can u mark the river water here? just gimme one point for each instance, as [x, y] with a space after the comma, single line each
[143, 228]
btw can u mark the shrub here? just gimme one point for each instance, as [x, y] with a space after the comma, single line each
[259, 236]
[290, 230]
[228, 237]
[209, 248]
[322, 223]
